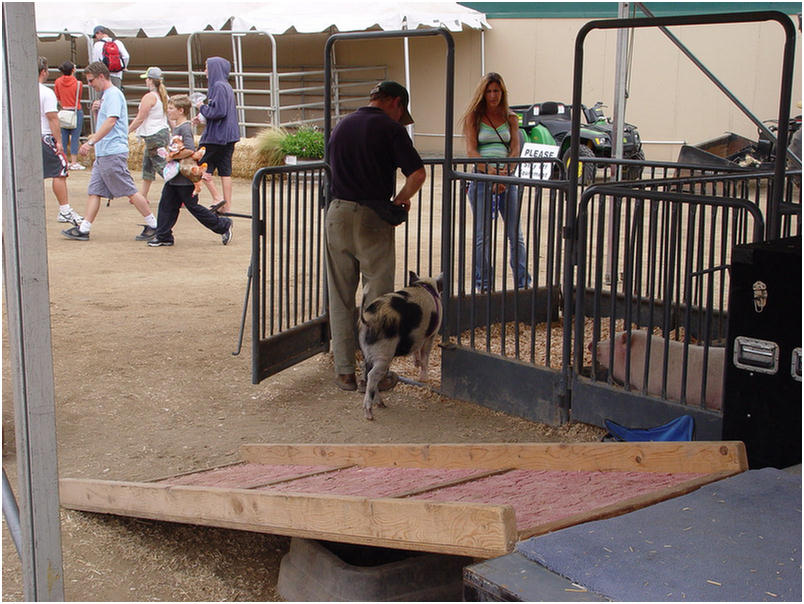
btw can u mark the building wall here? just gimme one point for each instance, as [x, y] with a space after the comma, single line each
[669, 98]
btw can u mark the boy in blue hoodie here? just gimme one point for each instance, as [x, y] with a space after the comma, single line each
[222, 130]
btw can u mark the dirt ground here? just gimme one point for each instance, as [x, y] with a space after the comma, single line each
[147, 386]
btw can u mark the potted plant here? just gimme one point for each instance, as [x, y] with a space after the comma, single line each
[306, 144]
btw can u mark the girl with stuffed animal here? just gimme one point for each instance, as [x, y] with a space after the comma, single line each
[179, 189]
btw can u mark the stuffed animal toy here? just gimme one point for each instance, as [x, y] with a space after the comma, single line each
[188, 166]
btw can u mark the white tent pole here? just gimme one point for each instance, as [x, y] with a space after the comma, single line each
[482, 52]
[28, 308]
[407, 74]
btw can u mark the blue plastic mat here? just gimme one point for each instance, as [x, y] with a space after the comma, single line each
[737, 539]
[679, 429]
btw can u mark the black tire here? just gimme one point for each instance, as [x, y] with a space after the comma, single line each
[586, 173]
[634, 172]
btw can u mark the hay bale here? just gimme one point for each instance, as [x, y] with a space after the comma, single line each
[246, 160]
[136, 148]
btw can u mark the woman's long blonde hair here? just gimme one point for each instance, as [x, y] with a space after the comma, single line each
[477, 106]
[161, 91]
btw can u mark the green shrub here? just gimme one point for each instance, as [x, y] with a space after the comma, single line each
[305, 142]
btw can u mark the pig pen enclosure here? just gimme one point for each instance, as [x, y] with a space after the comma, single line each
[647, 257]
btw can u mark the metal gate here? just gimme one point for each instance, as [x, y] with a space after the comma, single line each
[654, 262]
[648, 255]
[288, 313]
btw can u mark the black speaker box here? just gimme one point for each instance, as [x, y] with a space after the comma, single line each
[762, 383]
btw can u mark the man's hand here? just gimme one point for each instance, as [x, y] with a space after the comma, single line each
[405, 203]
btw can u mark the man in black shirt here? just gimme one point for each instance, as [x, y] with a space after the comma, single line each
[365, 150]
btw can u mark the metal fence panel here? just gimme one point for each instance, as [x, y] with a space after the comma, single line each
[289, 321]
[651, 302]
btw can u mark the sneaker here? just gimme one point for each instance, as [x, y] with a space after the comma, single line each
[72, 217]
[387, 383]
[76, 234]
[76, 166]
[159, 243]
[227, 236]
[147, 233]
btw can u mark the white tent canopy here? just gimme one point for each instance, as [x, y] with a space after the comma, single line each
[129, 19]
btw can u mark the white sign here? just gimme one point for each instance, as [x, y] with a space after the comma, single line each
[541, 170]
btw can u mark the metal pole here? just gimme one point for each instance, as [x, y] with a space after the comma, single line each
[28, 308]
[482, 52]
[12, 514]
[620, 77]
[406, 46]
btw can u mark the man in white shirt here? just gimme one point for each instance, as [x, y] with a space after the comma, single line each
[102, 35]
[54, 162]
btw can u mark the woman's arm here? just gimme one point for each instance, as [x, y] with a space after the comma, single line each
[470, 134]
[513, 124]
[146, 103]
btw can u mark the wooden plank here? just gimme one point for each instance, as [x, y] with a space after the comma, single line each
[623, 507]
[197, 471]
[304, 475]
[207, 477]
[453, 528]
[451, 483]
[671, 457]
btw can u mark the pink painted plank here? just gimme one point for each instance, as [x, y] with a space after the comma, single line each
[537, 496]
[373, 482]
[541, 496]
[242, 476]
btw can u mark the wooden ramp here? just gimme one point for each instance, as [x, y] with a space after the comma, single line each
[473, 500]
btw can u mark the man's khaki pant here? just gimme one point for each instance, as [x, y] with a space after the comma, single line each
[359, 242]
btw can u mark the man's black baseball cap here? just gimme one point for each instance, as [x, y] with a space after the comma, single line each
[395, 90]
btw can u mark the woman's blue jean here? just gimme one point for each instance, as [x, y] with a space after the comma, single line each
[69, 138]
[485, 207]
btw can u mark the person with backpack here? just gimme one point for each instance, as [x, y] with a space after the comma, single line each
[110, 51]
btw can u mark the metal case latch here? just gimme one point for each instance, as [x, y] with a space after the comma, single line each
[756, 355]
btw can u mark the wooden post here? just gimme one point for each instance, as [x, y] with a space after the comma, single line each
[28, 307]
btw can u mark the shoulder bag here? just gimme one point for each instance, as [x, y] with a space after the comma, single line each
[68, 118]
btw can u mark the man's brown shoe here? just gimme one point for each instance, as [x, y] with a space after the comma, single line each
[386, 383]
[346, 381]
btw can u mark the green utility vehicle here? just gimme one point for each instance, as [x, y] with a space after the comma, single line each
[550, 123]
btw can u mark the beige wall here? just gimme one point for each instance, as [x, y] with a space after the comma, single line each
[669, 99]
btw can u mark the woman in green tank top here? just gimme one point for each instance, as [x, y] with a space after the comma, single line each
[491, 130]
